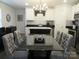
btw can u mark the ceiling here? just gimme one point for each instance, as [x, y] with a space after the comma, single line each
[50, 3]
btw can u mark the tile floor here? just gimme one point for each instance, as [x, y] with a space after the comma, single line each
[3, 56]
[73, 56]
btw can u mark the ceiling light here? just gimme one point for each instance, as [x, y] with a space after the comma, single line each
[40, 6]
[26, 4]
[65, 1]
[44, 5]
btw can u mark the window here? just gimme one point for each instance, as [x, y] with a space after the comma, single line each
[0, 18]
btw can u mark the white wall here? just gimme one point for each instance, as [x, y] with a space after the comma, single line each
[6, 9]
[0, 18]
[39, 19]
[20, 24]
[59, 14]
[30, 15]
[75, 9]
[62, 13]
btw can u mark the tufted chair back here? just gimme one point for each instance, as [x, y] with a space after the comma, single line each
[67, 42]
[9, 45]
[10, 48]
[59, 37]
[18, 38]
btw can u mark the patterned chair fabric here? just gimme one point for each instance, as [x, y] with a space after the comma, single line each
[74, 39]
[9, 43]
[67, 41]
[10, 48]
[20, 41]
[18, 38]
[59, 36]
[66, 45]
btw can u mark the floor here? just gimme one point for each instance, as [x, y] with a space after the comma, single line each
[3, 54]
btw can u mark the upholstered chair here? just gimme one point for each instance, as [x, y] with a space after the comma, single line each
[66, 44]
[18, 38]
[59, 36]
[10, 48]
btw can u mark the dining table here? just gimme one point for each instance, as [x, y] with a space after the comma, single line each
[36, 49]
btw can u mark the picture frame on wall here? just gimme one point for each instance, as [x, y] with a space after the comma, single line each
[19, 17]
[8, 18]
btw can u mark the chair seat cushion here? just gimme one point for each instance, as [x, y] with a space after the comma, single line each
[20, 54]
[57, 53]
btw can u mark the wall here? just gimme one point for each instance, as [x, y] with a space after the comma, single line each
[48, 16]
[20, 24]
[39, 19]
[0, 18]
[75, 9]
[6, 9]
[62, 13]
[59, 14]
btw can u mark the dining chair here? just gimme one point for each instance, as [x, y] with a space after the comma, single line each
[18, 38]
[10, 48]
[66, 44]
[59, 36]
